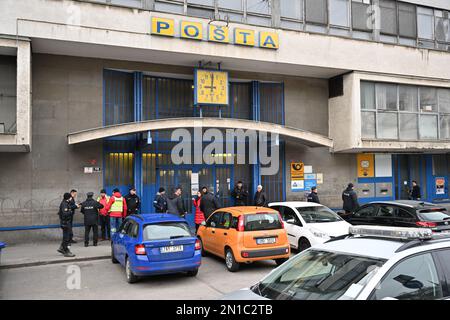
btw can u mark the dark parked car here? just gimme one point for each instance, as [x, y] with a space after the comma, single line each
[402, 213]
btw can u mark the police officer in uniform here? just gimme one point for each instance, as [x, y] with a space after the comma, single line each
[312, 196]
[65, 218]
[350, 200]
[90, 210]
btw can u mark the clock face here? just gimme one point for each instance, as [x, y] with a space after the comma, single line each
[211, 87]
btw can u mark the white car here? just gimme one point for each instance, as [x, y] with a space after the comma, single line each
[308, 223]
[374, 263]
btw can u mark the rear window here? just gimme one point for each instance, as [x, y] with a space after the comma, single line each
[262, 221]
[434, 214]
[165, 231]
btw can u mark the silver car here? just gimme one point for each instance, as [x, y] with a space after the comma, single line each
[373, 263]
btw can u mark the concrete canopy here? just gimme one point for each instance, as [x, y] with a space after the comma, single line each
[305, 137]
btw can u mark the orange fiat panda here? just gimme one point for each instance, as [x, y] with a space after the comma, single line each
[243, 235]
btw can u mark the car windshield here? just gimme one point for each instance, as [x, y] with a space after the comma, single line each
[319, 275]
[434, 215]
[164, 231]
[318, 214]
[262, 221]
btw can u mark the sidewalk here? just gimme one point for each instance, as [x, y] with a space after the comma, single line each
[33, 254]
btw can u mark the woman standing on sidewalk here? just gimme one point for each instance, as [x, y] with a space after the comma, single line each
[199, 216]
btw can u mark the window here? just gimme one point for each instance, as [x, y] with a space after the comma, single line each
[209, 3]
[444, 100]
[368, 95]
[225, 222]
[292, 9]
[258, 6]
[133, 230]
[442, 26]
[428, 127]
[409, 126]
[8, 94]
[166, 231]
[386, 212]
[425, 23]
[368, 125]
[386, 96]
[230, 4]
[387, 125]
[428, 99]
[414, 278]
[262, 221]
[408, 98]
[339, 10]
[318, 214]
[388, 17]
[361, 19]
[445, 127]
[289, 214]
[215, 220]
[365, 212]
[316, 11]
[403, 214]
[407, 20]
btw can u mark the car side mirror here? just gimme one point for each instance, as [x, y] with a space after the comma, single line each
[291, 221]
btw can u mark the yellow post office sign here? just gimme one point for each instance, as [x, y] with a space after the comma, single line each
[218, 34]
[269, 40]
[211, 87]
[191, 30]
[297, 171]
[366, 165]
[244, 37]
[163, 27]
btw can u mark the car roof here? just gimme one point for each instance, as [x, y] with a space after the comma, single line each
[236, 211]
[407, 203]
[156, 218]
[363, 246]
[296, 204]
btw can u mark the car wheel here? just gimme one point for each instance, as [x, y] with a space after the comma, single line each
[192, 273]
[113, 258]
[230, 262]
[131, 278]
[279, 262]
[204, 253]
[303, 244]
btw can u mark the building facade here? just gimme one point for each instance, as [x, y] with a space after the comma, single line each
[91, 92]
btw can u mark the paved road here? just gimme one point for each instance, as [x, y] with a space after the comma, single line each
[103, 280]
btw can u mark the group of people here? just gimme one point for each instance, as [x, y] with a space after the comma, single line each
[106, 211]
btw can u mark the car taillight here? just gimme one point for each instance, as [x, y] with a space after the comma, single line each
[139, 249]
[426, 224]
[281, 221]
[198, 246]
[241, 223]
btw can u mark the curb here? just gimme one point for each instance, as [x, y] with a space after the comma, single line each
[59, 261]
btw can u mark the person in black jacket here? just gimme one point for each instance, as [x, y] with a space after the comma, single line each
[175, 203]
[260, 199]
[313, 197]
[209, 203]
[350, 200]
[160, 202]
[90, 210]
[415, 193]
[133, 202]
[239, 194]
[65, 218]
[74, 206]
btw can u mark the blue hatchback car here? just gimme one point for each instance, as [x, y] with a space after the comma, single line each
[151, 244]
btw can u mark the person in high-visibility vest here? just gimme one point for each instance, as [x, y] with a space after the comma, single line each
[117, 210]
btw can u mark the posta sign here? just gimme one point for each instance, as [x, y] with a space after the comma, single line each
[221, 34]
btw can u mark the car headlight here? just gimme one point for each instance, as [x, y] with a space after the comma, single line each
[319, 234]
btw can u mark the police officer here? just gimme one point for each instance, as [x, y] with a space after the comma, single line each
[350, 200]
[74, 206]
[133, 202]
[160, 201]
[90, 210]
[65, 218]
[312, 196]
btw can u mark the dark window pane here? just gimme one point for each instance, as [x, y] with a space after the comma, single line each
[386, 96]
[407, 20]
[292, 9]
[316, 11]
[361, 15]
[388, 12]
[367, 95]
[408, 98]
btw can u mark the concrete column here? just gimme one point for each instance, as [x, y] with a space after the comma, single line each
[276, 13]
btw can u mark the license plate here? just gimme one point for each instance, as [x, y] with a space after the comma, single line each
[171, 249]
[265, 241]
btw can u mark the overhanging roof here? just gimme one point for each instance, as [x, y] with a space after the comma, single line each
[305, 137]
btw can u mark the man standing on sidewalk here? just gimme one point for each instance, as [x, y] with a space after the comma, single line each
[74, 206]
[90, 210]
[103, 217]
[65, 218]
[133, 202]
[117, 210]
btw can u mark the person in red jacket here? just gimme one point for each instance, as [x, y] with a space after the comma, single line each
[199, 216]
[103, 216]
[117, 210]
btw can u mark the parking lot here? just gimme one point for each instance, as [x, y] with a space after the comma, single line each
[103, 280]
